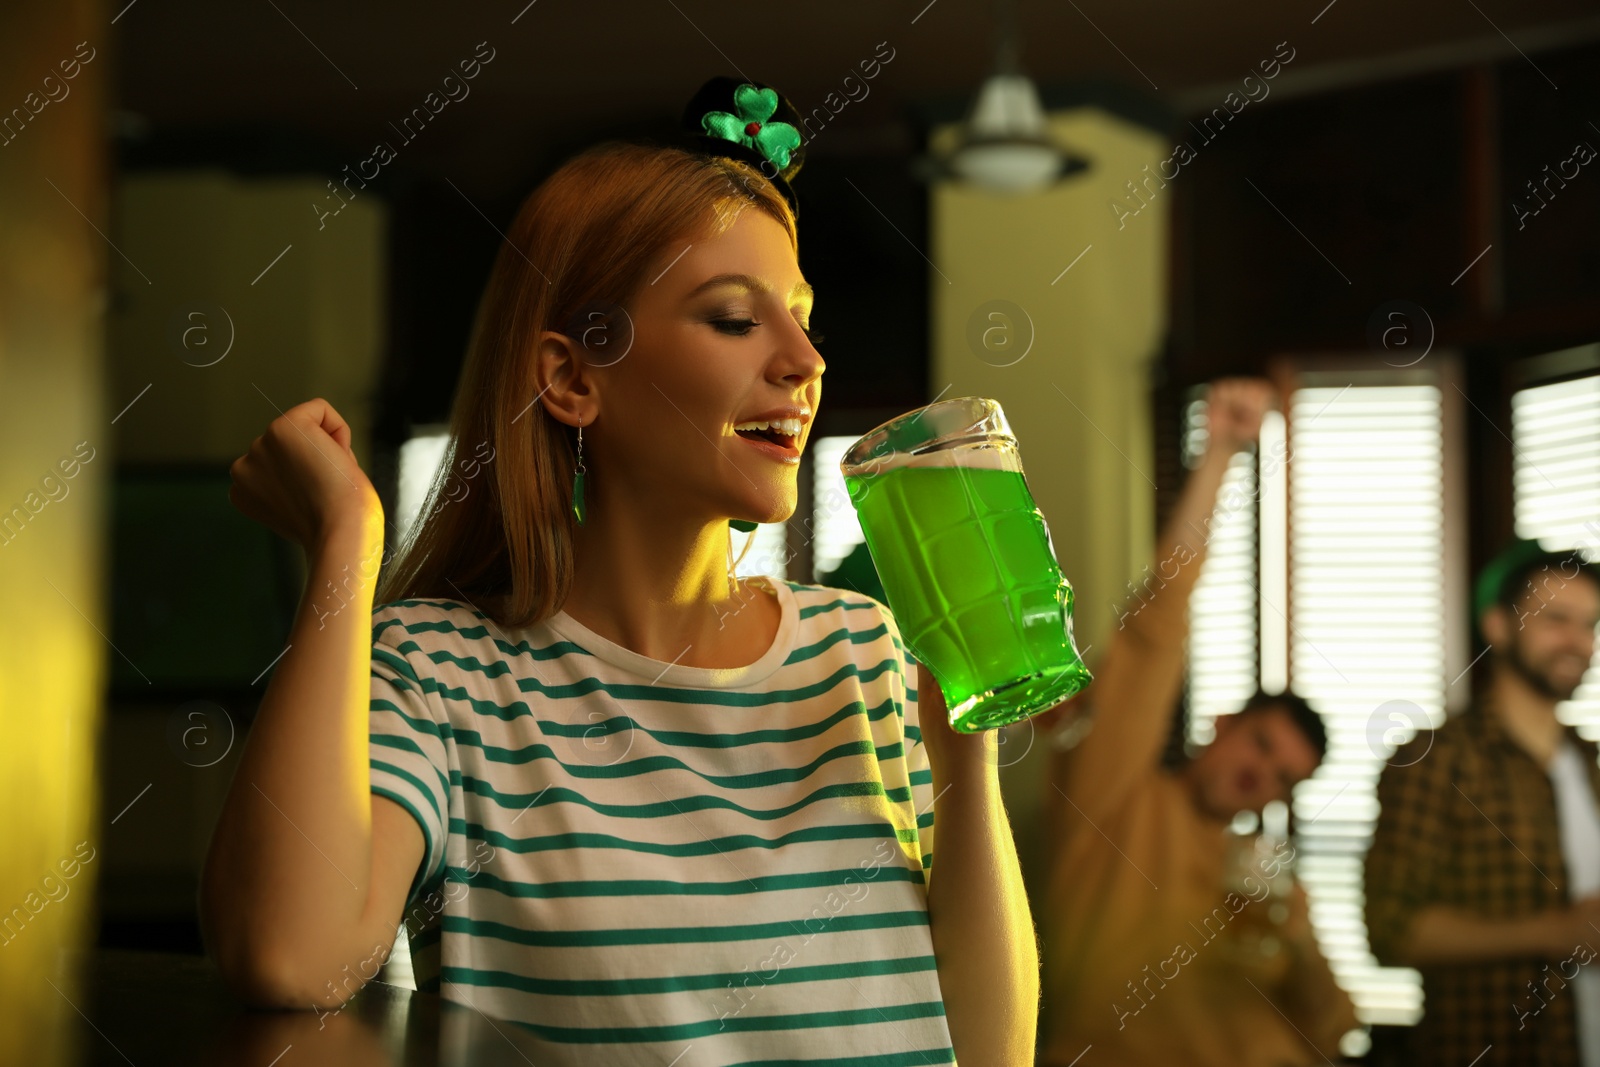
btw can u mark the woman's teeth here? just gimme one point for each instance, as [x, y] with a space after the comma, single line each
[787, 427]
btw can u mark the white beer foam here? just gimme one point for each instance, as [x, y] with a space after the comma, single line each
[999, 456]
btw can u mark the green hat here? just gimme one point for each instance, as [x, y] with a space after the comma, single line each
[1486, 591]
[1523, 557]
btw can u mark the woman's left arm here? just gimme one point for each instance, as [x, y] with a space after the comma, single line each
[983, 935]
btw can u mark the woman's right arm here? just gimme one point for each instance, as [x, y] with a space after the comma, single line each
[308, 872]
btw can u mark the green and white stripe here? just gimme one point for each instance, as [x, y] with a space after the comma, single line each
[668, 863]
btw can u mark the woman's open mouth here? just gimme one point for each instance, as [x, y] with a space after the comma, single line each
[779, 438]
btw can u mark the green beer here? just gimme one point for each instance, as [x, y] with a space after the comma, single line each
[966, 562]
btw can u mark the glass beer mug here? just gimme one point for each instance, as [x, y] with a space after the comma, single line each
[966, 561]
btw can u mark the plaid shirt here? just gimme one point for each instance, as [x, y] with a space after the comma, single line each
[1468, 821]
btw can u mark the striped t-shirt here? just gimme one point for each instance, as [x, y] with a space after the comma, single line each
[668, 864]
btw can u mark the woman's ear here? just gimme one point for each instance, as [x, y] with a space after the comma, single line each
[565, 385]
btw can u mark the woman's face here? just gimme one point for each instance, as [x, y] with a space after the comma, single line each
[720, 340]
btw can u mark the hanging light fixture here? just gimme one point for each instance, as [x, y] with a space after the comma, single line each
[1006, 145]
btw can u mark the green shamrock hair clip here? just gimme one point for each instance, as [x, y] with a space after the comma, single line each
[753, 123]
[751, 128]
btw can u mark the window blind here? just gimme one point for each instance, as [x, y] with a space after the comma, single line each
[1555, 435]
[1366, 635]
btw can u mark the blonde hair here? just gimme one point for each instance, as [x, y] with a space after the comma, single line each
[584, 237]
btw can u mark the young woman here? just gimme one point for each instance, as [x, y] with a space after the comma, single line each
[612, 793]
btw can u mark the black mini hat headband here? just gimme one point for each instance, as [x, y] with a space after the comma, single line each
[752, 123]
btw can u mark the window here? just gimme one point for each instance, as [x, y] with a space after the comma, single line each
[1222, 608]
[1555, 434]
[1366, 632]
[835, 529]
[420, 458]
[768, 555]
[1329, 569]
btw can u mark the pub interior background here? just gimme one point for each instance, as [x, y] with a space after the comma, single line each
[1391, 230]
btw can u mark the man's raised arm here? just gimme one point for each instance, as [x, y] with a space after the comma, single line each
[1140, 674]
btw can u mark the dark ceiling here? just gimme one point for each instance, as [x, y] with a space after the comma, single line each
[564, 73]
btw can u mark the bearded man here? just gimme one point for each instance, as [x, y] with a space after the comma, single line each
[1484, 870]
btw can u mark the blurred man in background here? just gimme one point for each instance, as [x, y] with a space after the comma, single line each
[1162, 944]
[1485, 863]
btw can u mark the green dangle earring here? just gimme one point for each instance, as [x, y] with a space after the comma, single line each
[578, 510]
[577, 479]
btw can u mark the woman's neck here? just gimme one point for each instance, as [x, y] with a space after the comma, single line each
[662, 589]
